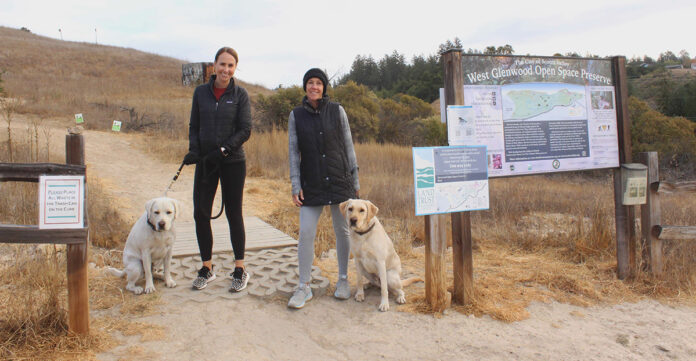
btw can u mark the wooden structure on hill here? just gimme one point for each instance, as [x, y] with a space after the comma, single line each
[196, 73]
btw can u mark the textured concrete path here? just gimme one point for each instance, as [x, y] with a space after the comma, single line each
[273, 272]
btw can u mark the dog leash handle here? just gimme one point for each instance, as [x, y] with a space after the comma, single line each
[176, 176]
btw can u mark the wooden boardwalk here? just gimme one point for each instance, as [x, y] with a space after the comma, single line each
[259, 235]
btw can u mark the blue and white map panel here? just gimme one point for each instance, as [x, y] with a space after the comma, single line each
[450, 179]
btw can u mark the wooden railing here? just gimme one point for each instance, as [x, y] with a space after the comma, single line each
[654, 232]
[75, 239]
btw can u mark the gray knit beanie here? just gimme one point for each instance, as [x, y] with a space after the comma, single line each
[315, 73]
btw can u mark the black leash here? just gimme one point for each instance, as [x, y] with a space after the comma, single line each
[205, 175]
[176, 176]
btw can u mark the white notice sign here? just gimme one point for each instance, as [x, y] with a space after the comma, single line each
[61, 202]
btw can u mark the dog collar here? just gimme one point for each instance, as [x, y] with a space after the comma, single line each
[151, 225]
[367, 230]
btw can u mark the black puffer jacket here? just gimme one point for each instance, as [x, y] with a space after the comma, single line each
[324, 167]
[224, 123]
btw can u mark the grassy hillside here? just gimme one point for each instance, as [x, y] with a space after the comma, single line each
[649, 86]
[55, 78]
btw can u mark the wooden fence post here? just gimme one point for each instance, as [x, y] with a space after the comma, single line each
[650, 215]
[78, 290]
[435, 247]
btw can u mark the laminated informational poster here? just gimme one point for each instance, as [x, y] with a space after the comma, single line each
[79, 119]
[116, 127]
[540, 114]
[450, 179]
[61, 202]
[461, 125]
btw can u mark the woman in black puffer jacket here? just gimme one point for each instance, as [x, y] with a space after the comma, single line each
[220, 124]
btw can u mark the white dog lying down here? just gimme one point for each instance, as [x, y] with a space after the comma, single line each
[373, 251]
[150, 244]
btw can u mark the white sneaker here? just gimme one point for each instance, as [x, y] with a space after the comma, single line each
[302, 295]
[342, 288]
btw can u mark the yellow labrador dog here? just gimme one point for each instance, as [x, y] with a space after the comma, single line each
[150, 244]
[373, 251]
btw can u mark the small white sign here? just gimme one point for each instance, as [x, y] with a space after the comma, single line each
[461, 125]
[61, 202]
[116, 127]
[635, 192]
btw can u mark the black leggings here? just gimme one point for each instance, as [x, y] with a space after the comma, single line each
[205, 184]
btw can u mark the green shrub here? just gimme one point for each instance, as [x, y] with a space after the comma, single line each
[672, 137]
[274, 109]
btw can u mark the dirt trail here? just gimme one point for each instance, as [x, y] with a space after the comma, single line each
[261, 329]
[132, 175]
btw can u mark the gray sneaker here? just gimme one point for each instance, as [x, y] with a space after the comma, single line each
[342, 288]
[240, 278]
[205, 275]
[302, 295]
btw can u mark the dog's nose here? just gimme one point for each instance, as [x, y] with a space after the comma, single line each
[161, 224]
[353, 221]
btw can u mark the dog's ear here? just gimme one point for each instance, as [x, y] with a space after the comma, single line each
[342, 207]
[371, 210]
[148, 206]
[177, 206]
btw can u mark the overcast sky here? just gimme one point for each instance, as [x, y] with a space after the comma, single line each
[279, 40]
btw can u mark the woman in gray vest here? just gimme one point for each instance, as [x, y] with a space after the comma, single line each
[323, 171]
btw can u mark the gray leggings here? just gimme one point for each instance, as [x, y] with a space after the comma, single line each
[309, 217]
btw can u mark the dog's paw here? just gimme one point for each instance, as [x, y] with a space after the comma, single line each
[359, 296]
[401, 299]
[384, 306]
[170, 283]
[137, 290]
[149, 289]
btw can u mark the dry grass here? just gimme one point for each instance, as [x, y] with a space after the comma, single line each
[102, 82]
[33, 319]
[544, 238]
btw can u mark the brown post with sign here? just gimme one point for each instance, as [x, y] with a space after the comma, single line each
[436, 294]
[78, 290]
[462, 258]
[625, 215]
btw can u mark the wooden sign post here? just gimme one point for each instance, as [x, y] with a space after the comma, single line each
[78, 290]
[463, 268]
[625, 215]
[76, 239]
[436, 294]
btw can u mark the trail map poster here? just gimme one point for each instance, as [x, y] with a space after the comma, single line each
[450, 179]
[539, 115]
